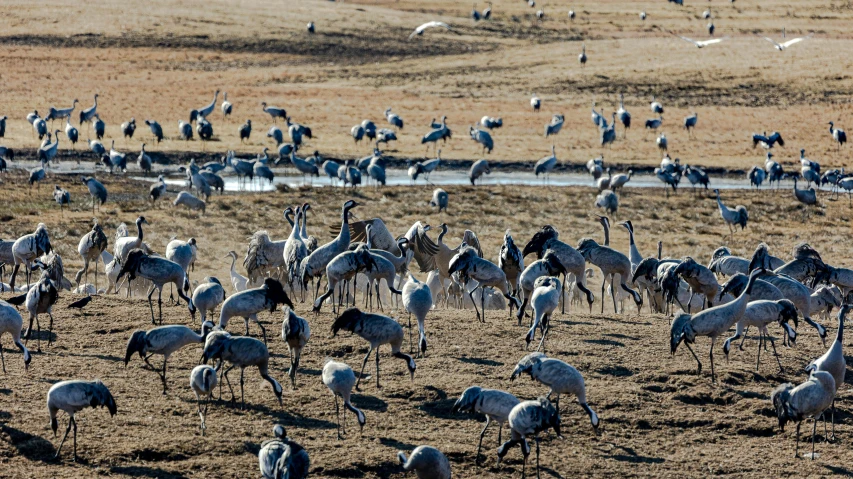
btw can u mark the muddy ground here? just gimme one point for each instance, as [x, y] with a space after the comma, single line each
[658, 417]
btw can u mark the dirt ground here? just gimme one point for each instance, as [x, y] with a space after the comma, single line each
[658, 417]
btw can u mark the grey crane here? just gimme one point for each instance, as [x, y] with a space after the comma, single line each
[163, 340]
[526, 418]
[482, 137]
[71, 133]
[281, 458]
[247, 304]
[295, 249]
[48, 152]
[759, 314]
[99, 127]
[439, 132]
[624, 116]
[377, 330]
[157, 190]
[607, 200]
[608, 133]
[274, 112]
[478, 169]
[369, 129]
[11, 322]
[767, 142]
[417, 299]
[807, 196]
[611, 262]
[72, 397]
[340, 379]
[723, 262]
[264, 257]
[238, 281]
[58, 114]
[186, 198]
[40, 127]
[511, 262]
[97, 148]
[310, 27]
[549, 265]
[619, 181]
[357, 133]
[159, 271]
[832, 361]
[343, 268]
[487, 13]
[315, 264]
[207, 296]
[144, 161]
[89, 113]
[439, 199]
[128, 128]
[297, 131]
[701, 280]
[61, 196]
[547, 238]
[495, 404]
[203, 381]
[204, 112]
[26, 249]
[554, 126]
[117, 158]
[656, 106]
[427, 462]
[245, 132]
[296, 332]
[582, 57]
[124, 244]
[226, 106]
[393, 119]
[808, 400]
[690, 123]
[838, 135]
[485, 273]
[205, 131]
[185, 130]
[156, 130]
[711, 322]
[773, 169]
[243, 168]
[535, 102]
[242, 352]
[491, 122]
[90, 247]
[475, 15]
[546, 164]
[545, 299]
[304, 166]
[663, 145]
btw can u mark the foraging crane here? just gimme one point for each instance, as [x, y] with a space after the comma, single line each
[485, 273]
[157, 190]
[59, 114]
[555, 125]
[482, 137]
[40, 127]
[40, 299]
[242, 352]
[203, 381]
[90, 247]
[207, 296]
[345, 267]
[701, 280]
[736, 217]
[417, 299]
[607, 200]
[530, 417]
[11, 322]
[156, 130]
[393, 119]
[495, 404]
[89, 113]
[711, 322]
[159, 271]
[439, 199]
[357, 133]
[377, 330]
[26, 249]
[185, 130]
[434, 24]
[656, 106]
[238, 281]
[128, 128]
[72, 397]
[806, 197]
[491, 122]
[282, 458]
[808, 400]
[478, 169]
[427, 462]
[165, 340]
[547, 238]
[545, 299]
[654, 124]
[247, 304]
[756, 176]
[296, 332]
[340, 379]
[191, 202]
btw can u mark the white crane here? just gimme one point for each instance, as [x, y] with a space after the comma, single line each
[434, 24]
[787, 44]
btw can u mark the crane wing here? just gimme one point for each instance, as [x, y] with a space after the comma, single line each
[709, 42]
[689, 40]
[779, 47]
[433, 24]
[796, 40]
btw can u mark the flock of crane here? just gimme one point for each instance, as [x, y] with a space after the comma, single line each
[759, 291]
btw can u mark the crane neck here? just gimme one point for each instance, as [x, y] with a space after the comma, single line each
[139, 231]
[287, 214]
[606, 234]
[304, 228]
[839, 336]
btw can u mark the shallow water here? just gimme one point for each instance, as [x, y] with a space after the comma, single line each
[395, 177]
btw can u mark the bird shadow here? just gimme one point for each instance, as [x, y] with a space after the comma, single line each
[97, 356]
[632, 456]
[370, 403]
[32, 447]
[289, 419]
[143, 471]
[44, 335]
[604, 342]
[310, 372]
[5, 392]
[839, 470]
[621, 336]
[480, 361]
[395, 444]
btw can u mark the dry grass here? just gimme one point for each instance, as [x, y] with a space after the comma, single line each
[658, 417]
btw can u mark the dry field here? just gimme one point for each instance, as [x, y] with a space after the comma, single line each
[159, 59]
[658, 418]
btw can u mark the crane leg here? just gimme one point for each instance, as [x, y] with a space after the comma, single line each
[377, 369]
[483, 301]
[711, 355]
[603, 285]
[67, 430]
[363, 364]
[471, 295]
[480, 443]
